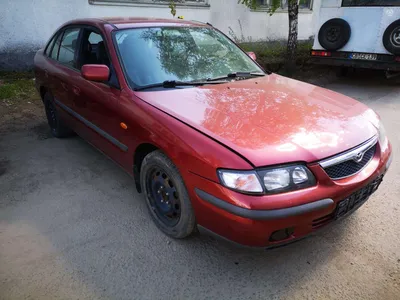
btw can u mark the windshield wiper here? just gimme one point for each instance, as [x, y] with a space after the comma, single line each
[175, 83]
[237, 75]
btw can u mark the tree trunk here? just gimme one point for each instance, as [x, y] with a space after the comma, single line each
[293, 13]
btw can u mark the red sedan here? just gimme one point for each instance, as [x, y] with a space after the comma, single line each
[212, 140]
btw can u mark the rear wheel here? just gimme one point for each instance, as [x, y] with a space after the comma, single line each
[57, 126]
[166, 196]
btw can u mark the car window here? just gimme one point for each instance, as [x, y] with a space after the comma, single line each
[49, 45]
[68, 47]
[56, 47]
[153, 55]
[93, 49]
[95, 38]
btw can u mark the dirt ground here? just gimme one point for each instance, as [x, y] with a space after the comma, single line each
[73, 227]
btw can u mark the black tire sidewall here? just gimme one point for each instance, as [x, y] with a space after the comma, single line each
[49, 100]
[386, 38]
[186, 223]
[345, 34]
[60, 130]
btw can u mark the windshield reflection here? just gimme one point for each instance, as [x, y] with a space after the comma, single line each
[154, 55]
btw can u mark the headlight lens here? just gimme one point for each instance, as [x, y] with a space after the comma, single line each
[274, 180]
[287, 178]
[245, 181]
[382, 134]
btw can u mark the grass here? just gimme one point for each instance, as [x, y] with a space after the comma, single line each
[271, 54]
[17, 85]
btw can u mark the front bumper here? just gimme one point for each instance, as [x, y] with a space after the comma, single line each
[251, 220]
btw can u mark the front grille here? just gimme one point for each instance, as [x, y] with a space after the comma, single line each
[350, 167]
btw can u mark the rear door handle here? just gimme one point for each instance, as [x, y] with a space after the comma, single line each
[76, 90]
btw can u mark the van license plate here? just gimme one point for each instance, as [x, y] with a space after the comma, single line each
[364, 56]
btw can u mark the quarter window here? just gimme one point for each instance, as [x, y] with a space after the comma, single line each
[68, 47]
[56, 47]
[49, 45]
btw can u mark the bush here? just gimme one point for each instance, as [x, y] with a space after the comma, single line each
[271, 54]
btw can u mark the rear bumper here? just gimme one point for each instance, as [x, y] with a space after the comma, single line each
[224, 213]
[384, 62]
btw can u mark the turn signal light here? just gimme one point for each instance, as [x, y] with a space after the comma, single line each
[320, 53]
[397, 58]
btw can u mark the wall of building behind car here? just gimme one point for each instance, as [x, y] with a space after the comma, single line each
[26, 25]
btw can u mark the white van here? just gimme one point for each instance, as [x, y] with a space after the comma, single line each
[358, 33]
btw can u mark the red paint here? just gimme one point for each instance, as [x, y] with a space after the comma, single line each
[238, 125]
[320, 53]
[95, 72]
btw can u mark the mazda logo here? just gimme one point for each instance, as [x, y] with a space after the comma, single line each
[358, 157]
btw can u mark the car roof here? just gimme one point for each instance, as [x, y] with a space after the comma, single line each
[132, 22]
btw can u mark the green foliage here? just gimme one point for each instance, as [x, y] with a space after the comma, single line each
[273, 52]
[172, 6]
[254, 4]
[15, 85]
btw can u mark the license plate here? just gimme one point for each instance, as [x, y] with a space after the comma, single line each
[358, 198]
[363, 56]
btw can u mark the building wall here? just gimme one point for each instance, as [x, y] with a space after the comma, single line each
[26, 25]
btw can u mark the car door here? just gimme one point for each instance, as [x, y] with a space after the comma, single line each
[97, 103]
[64, 71]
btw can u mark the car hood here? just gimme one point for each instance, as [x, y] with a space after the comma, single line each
[270, 120]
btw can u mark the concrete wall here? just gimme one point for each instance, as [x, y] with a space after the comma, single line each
[26, 25]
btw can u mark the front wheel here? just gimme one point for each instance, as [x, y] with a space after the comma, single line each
[166, 196]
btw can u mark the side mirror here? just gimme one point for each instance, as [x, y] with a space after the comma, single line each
[252, 55]
[95, 72]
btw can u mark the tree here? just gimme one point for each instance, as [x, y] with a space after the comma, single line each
[293, 12]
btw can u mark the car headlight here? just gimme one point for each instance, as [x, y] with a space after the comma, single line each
[382, 135]
[273, 180]
[287, 178]
[245, 181]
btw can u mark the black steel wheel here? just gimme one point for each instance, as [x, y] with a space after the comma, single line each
[334, 34]
[391, 38]
[166, 195]
[57, 126]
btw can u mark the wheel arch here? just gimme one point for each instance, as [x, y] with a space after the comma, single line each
[42, 90]
[140, 153]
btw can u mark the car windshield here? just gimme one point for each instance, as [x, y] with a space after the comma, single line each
[157, 54]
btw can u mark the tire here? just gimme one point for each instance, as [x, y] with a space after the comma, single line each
[334, 34]
[57, 126]
[166, 196]
[391, 38]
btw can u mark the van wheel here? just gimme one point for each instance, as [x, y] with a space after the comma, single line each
[391, 38]
[166, 196]
[334, 34]
[57, 126]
